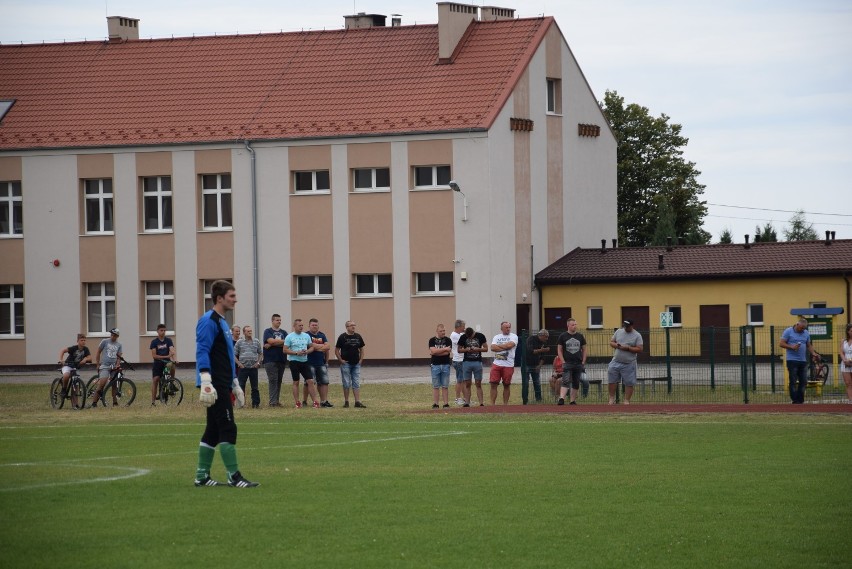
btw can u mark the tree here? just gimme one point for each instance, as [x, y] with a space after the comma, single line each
[653, 175]
[665, 227]
[767, 235]
[726, 236]
[800, 229]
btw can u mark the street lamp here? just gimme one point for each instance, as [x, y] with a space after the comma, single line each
[455, 187]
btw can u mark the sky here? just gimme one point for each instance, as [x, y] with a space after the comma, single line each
[763, 89]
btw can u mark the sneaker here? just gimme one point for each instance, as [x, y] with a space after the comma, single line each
[482, 404]
[561, 401]
[316, 404]
[446, 405]
[206, 482]
[305, 402]
[63, 394]
[298, 404]
[572, 403]
[435, 405]
[346, 403]
[459, 401]
[237, 481]
[466, 405]
[326, 404]
[361, 405]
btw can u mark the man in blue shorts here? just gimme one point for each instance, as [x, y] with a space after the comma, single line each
[627, 344]
[471, 345]
[440, 348]
[318, 360]
[162, 351]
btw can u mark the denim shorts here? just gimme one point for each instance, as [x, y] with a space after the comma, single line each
[459, 367]
[440, 376]
[351, 375]
[320, 374]
[472, 370]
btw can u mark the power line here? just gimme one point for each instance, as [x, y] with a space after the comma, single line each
[779, 220]
[778, 210]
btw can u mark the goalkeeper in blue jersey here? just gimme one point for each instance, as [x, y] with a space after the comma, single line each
[214, 363]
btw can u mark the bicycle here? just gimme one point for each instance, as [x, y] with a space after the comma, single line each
[76, 391]
[122, 388]
[170, 389]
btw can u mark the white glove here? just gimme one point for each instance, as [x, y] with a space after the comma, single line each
[238, 393]
[208, 392]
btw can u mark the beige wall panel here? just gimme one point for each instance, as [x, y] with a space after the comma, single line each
[370, 230]
[10, 168]
[371, 155]
[430, 152]
[322, 310]
[426, 313]
[555, 196]
[12, 266]
[153, 164]
[309, 158]
[521, 96]
[157, 257]
[91, 166]
[374, 320]
[97, 259]
[213, 161]
[553, 47]
[13, 352]
[311, 235]
[215, 255]
[431, 232]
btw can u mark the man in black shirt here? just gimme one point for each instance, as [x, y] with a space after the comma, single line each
[440, 348]
[572, 351]
[536, 348]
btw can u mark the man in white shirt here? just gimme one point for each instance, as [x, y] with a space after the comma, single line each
[458, 360]
[503, 345]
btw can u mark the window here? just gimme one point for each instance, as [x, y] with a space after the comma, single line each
[434, 283]
[208, 300]
[595, 317]
[676, 317]
[216, 201]
[159, 305]
[100, 307]
[431, 176]
[819, 305]
[11, 209]
[12, 310]
[157, 203]
[371, 179]
[314, 285]
[98, 207]
[313, 181]
[755, 315]
[554, 96]
[373, 285]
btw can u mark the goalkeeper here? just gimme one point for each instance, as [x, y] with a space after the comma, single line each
[214, 362]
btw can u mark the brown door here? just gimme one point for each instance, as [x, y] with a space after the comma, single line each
[522, 318]
[555, 318]
[641, 323]
[715, 325]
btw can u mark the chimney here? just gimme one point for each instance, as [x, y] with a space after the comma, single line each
[660, 266]
[396, 20]
[615, 243]
[832, 235]
[747, 246]
[669, 245]
[121, 28]
[828, 237]
[362, 20]
[492, 13]
[603, 246]
[453, 21]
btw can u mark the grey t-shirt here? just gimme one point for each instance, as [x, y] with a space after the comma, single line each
[633, 338]
[247, 352]
[109, 352]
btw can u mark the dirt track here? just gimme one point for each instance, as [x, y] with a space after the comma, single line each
[653, 408]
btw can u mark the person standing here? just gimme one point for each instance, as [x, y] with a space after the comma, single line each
[845, 362]
[297, 346]
[536, 347]
[162, 351]
[318, 360]
[248, 356]
[471, 345]
[503, 345]
[440, 350]
[214, 363]
[571, 349]
[235, 333]
[108, 355]
[274, 361]
[627, 344]
[797, 341]
[78, 355]
[349, 351]
[458, 360]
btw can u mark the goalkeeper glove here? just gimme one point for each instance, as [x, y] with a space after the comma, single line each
[239, 394]
[208, 392]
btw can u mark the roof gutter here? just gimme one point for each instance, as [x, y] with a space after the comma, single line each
[255, 275]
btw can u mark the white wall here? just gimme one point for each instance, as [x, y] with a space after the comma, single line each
[187, 284]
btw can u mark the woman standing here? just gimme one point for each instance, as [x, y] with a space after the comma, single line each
[846, 362]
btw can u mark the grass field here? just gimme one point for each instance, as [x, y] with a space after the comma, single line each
[387, 487]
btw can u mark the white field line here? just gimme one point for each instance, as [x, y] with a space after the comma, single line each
[129, 472]
[188, 434]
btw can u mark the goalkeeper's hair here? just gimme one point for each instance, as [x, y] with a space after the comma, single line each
[220, 288]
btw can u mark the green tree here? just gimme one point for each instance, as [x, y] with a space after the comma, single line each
[665, 227]
[653, 175]
[765, 235]
[726, 236]
[800, 229]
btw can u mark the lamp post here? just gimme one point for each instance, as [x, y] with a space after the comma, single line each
[455, 187]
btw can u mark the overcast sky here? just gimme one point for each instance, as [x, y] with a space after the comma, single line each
[762, 88]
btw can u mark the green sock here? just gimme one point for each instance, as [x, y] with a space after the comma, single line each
[229, 457]
[205, 461]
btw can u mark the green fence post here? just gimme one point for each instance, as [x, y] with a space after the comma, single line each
[522, 349]
[743, 365]
[669, 358]
[753, 333]
[772, 356]
[713, 357]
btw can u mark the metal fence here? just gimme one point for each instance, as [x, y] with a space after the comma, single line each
[699, 365]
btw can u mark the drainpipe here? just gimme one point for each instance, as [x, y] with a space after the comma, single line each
[848, 299]
[255, 275]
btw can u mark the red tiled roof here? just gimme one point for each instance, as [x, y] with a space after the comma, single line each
[689, 262]
[383, 80]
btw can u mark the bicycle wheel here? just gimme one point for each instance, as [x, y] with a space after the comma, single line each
[171, 392]
[56, 399]
[91, 387]
[78, 393]
[120, 392]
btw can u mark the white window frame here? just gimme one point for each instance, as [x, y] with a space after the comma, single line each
[434, 183]
[436, 282]
[219, 191]
[375, 285]
[314, 189]
[316, 293]
[677, 316]
[101, 197]
[101, 297]
[207, 297]
[16, 308]
[163, 300]
[749, 319]
[589, 316]
[10, 197]
[161, 196]
[553, 96]
[373, 187]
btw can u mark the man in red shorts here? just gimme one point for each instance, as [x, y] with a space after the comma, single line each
[503, 366]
